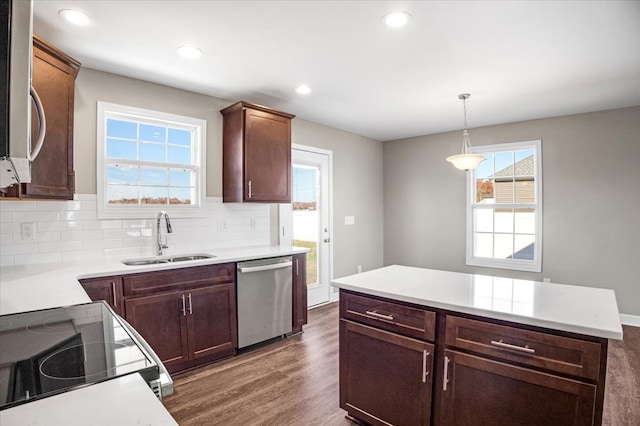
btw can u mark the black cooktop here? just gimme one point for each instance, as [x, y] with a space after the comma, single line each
[46, 352]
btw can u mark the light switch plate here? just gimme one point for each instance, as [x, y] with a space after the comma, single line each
[349, 220]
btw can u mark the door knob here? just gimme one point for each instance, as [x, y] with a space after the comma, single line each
[327, 240]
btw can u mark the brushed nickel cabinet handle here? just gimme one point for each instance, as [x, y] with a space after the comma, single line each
[297, 268]
[249, 189]
[190, 305]
[379, 316]
[425, 354]
[526, 349]
[113, 289]
[446, 373]
[184, 306]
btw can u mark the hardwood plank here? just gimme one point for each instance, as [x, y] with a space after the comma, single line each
[295, 382]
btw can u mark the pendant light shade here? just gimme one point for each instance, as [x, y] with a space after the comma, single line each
[465, 161]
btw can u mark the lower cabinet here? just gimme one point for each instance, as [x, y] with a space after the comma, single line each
[385, 378]
[186, 328]
[108, 289]
[484, 371]
[505, 394]
[187, 315]
[299, 292]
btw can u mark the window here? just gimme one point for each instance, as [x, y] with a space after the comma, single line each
[504, 214]
[149, 161]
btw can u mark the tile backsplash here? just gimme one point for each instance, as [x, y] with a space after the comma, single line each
[68, 231]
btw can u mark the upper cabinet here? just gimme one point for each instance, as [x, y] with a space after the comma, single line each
[256, 150]
[54, 75]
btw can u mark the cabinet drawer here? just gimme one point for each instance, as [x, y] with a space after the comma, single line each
[556, 353]
[411, 322]
[178, 279]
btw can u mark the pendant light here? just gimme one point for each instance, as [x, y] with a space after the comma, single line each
[465, 161]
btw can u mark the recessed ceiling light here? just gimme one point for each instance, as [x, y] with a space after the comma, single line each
[303, 90]
[190, 52]
[75, 17]
[396, 19]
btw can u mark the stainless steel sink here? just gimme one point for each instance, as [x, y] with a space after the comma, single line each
[167, 259]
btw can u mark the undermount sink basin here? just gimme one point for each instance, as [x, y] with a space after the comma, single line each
[170, 259]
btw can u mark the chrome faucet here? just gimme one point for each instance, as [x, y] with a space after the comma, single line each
[169, 230]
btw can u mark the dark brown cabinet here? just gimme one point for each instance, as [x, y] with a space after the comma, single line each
[483, 371]
[108, 289]
[256, 152]
[525, 377]
[187, 328]
[299, 292]
[187, 315]
[385, 377]
[511, 395]
[54, 74]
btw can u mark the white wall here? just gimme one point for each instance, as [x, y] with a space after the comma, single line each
[591, 200]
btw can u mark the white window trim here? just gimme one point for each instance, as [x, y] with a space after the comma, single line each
[116, 211]
[512, 264]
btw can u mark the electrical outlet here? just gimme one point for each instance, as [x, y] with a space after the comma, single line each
[546, 280]
[252, 223]
[28, 231]
[359, 269]
[222, 225]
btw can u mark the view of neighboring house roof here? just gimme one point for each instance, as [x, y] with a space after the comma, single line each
[523, 167]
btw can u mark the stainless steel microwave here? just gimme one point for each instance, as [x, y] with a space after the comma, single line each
[16, 94]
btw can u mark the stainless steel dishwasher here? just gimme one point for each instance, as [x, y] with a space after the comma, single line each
[264, 300]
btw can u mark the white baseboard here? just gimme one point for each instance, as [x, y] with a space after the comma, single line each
[633, 320]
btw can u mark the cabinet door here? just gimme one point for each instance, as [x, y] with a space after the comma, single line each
[212, 320]
[509, 395]
[108, 289]
[162, 321]
[267, 157]
[385, 378]
[54, 76]
[299, 292]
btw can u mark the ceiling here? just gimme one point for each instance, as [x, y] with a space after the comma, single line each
[519, 60]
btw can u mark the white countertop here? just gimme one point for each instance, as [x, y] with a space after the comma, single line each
[126, 400]
[32, 287]
[584, 310]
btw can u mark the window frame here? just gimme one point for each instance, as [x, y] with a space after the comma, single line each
[534, 265]
[198, 126]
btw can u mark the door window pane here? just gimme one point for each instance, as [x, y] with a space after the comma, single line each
[306, 229]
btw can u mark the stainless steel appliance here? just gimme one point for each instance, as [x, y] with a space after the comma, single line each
[46, 352]
[16, 93]
[264, 300]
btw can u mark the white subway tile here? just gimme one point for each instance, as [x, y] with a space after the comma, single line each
[82, 235]
[6, 261]
[49, 216]
[103, 224]
[102, 244]
[35, 259]
[79, 215]
[17, 206]
[9, 227]
[57, 205]
[74, 256]
[5, 216]
[59, 226]
[19, 248]
[59, 246]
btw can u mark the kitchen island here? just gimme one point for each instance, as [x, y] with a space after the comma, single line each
[420, 346]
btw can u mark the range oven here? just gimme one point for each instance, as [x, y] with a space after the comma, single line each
[46, 352]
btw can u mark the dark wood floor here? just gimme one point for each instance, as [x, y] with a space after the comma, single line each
[295, 382]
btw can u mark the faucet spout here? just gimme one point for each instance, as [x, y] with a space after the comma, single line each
[162, 246]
